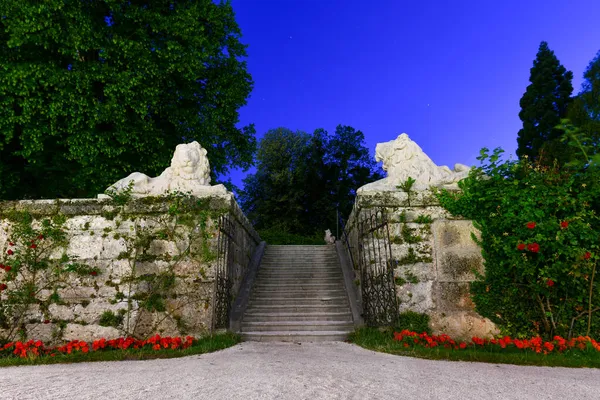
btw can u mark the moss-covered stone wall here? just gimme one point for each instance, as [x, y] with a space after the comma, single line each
[435, 258]
[91, 268]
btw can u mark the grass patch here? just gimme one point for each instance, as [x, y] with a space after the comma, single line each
[200, 346]
[382, 340]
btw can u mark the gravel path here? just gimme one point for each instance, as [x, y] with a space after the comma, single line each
[292, 371]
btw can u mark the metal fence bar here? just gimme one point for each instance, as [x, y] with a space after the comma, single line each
[369, 238]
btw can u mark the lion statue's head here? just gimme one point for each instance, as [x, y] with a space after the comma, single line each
[190, 163]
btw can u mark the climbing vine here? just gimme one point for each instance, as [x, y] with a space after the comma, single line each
[166, 253]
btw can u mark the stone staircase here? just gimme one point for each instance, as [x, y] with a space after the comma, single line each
[298, 296]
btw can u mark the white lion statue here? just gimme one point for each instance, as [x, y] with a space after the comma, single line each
[329, 238]
[402, 158]
[189, 173]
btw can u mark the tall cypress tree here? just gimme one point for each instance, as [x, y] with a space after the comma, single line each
[543, 105]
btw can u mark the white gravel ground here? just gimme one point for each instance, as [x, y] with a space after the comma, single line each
[292, 371]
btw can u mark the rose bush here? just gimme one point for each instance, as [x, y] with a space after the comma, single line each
[540, 235]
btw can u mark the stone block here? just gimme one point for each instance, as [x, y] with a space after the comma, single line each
[416, 297]
[452, 296]
[85, 246]
[462, 325]
[420, 272]
[44, 332]
[61, 312]
[89, 333]
[459, 266]
[454, 233]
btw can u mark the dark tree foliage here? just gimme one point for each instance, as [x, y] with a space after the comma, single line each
[584, 112]
[543, 105]
[302, 180]
[91, 91]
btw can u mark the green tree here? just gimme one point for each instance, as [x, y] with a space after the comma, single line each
[584, 116]
[274, 195]
[543, 105]
[302, 179]
[91, 91]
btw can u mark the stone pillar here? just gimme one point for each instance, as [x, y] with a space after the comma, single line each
[435, 259]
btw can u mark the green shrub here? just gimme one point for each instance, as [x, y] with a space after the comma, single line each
[108, 318]
[413, 321]
[540, 233]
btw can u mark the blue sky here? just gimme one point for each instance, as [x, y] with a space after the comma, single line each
[448, 73]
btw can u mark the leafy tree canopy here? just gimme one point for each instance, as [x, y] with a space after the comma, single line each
[302, 179]
[543, 105]
[582, 127]
[91, 91]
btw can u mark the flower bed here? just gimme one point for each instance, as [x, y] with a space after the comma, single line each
[34, 349]
[536, 344]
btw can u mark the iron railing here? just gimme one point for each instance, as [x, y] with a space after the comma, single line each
[223, 276]
[367, 240]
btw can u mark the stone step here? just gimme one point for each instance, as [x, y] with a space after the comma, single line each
[270, 326]
[251, 316]
[299, 284]
[296, 308]
[297, 294]
[296, 336]
[298, 301]
[293, 279]
[303, 270]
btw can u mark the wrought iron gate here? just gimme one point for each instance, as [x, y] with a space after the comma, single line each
[380, 304]
[224, 281]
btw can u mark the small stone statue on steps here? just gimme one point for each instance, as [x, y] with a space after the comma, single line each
[328, 238]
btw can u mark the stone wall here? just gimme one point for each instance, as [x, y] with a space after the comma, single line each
[435, 258]
[140, 267]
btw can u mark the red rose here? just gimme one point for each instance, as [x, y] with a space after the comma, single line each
[564, 224]
[531, 225]
[33, 245]
[533, 247]
[10, 252]
[521, 246]
[93, 273]
[11, 244]
[550, 282]
[40, 237]
[46, 321]
[3, 286]
[587, 255]
[7, 268]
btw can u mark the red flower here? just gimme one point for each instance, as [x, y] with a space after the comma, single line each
[564, 224]
[10, 252]
[40, 237]
[11, 244]
[94, 273]
[7, 268]
[462, 345]
[550, 282]
[3, 286]
[521, 246]
[533, 247]
[33, 245]
[46, 321]
[587, 255]
[531, 225]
